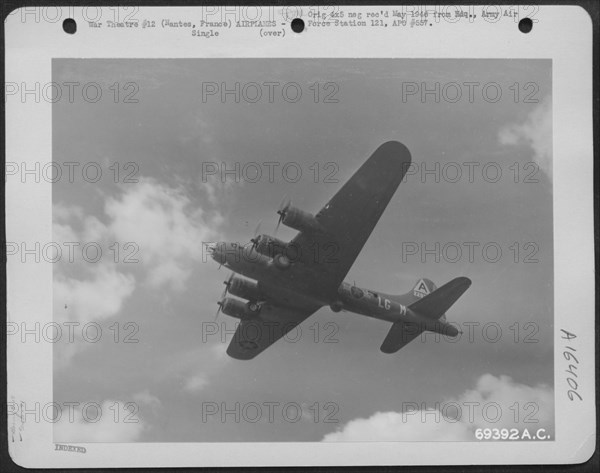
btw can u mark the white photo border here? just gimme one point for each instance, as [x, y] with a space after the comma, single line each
[561, 33]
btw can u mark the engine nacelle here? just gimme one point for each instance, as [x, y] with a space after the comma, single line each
[271, 246]
[236, 308]
[300, 220]
[244, 288]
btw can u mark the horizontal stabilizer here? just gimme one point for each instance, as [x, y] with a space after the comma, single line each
[439, 301]
[401, 334]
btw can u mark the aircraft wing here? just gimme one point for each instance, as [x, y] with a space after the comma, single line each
[350, 216]
[400, 335]
[273, 322]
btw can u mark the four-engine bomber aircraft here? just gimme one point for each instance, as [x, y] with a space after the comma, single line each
[286, 282]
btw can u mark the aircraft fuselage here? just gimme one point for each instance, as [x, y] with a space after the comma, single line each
[274, 282]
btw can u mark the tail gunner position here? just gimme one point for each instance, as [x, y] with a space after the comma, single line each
[280, 284]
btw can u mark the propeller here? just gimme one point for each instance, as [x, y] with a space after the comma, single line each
[220, 304]
[255, 239]
[227, 283]
[283, 208]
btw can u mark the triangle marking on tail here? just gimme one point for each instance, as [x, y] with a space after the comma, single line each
[421, 290]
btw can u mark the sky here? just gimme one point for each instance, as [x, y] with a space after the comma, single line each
[159, 292]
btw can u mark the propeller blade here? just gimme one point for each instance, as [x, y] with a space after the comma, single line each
[257, 229]
[220, 304]
[227, 283]
[256, 238]
[285, 203]
[283, 208]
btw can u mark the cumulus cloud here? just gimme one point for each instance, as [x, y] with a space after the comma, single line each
[536, 132]
[495, 402]
[147, 401]
[398, 427]
[113, 422]
[97, 298]
[165, 226]
[82, 292]
[151, 223]
[519, 403]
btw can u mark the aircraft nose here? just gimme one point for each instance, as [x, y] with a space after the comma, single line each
[214, 250]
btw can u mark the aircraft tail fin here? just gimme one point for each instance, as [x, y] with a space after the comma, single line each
[436, 303]
[423, 288]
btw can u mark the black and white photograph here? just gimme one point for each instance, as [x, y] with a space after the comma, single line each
[328, 251]
[384, 199]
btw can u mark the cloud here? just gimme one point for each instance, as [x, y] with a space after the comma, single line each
[113, 422]
[146, 400]
[536, 132]
[397, 427]
[196, 383]
[169, 232]
[83, 292]
[97, 298]
[151, 223]
[144, 397]
[219, 352]
[495, 402]
[531, 402]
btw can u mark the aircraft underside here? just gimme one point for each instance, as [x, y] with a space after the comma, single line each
[282, 283]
